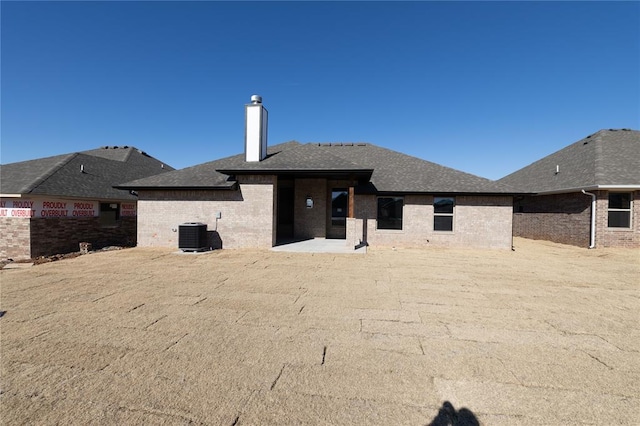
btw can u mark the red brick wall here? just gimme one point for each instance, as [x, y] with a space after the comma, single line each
[562, 218]
[63, 235]
[566, 219]
[15, 239]
[617, 237]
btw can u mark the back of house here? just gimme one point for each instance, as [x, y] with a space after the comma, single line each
[356, 192]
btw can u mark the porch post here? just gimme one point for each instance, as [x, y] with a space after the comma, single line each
[352, 212]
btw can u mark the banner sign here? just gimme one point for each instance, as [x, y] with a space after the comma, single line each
[128, 209]
[48, 208]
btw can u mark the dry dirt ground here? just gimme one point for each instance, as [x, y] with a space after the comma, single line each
[548, 334]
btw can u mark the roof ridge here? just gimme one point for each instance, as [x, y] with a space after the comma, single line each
[130, 153]
[598, 171]
[48, 173]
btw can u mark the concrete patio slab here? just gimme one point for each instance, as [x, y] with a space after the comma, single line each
[320, 245]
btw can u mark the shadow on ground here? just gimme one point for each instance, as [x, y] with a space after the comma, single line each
[448, 416]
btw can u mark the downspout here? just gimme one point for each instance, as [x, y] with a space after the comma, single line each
[592, 238]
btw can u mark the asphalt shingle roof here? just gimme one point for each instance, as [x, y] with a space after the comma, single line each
[397, 172]
[390, 171]
[61, 175]
[606, 158]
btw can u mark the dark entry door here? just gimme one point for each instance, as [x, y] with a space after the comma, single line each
[338, 213]
[284, 230]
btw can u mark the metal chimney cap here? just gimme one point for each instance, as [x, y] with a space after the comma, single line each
[256, 99]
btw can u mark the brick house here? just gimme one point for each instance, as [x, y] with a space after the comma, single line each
[361, 193]
[587, 194]
[50, 205]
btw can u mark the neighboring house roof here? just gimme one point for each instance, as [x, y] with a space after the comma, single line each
[63, 175]
[378, 170]
[607, 159]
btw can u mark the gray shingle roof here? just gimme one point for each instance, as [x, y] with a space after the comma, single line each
[389, 171]
[202, 176]
[61, 175]
[397, 172]
[606, 158]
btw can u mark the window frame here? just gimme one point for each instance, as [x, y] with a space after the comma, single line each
[339, 218]
[444, 214]
[111, 220]
[628, 210]
[401, 219]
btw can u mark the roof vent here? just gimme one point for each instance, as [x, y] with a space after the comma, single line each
[256, 99]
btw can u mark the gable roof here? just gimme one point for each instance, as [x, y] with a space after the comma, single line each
[378, 169]
[606, 159]
[62, 175]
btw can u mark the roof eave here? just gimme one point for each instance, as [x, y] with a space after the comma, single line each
[177, 187]
[362, 175]
[327, 172]
[460, 193]
[635, 187]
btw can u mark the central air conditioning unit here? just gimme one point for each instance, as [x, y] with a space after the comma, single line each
[192, 236]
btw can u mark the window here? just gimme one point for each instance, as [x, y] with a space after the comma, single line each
[390, 212]
[339, 207]
[619, 210]
[109, 214]
[443, 213]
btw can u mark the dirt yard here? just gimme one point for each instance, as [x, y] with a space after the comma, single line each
[547, 334]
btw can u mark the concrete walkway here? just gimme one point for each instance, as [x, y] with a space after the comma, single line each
[319, 245]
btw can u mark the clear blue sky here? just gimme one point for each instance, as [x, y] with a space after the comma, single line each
[483, 87]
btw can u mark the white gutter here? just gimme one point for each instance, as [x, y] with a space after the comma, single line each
[590, 188]
[618, 186]
[592, 237]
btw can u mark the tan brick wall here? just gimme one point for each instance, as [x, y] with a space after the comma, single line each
[616, 237]
[249, 217]
[310, 223]
[479, 221]
[15, 242]
[247, 214]
[355, 232]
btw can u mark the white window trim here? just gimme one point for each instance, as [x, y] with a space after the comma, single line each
[452, 215]
[630, 210]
